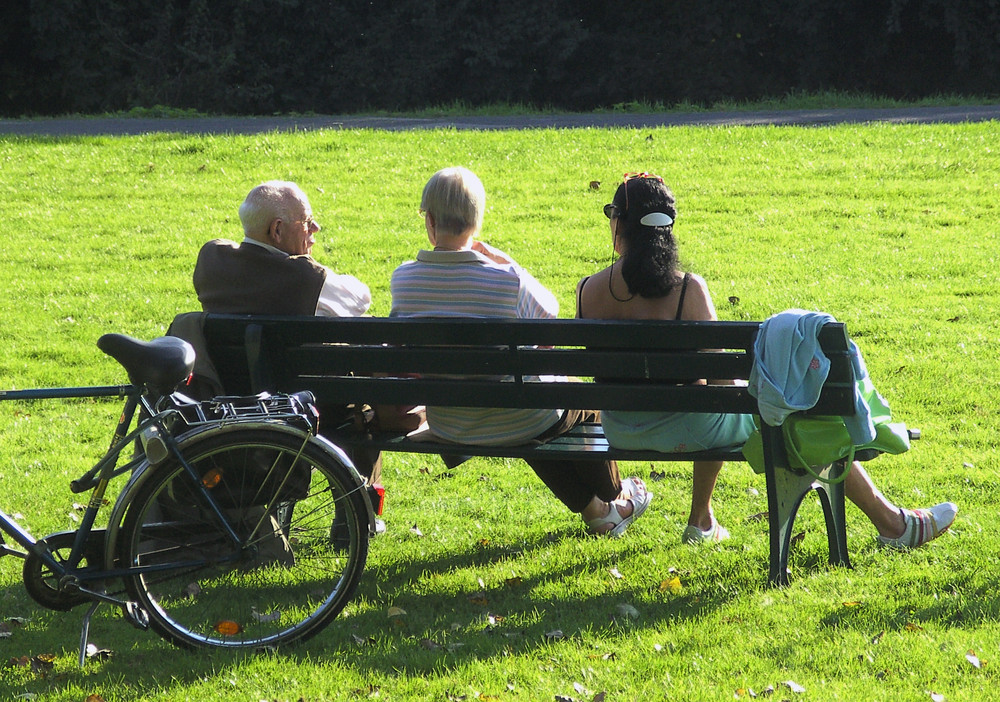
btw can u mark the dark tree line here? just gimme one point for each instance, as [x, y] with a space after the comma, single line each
[266, 56]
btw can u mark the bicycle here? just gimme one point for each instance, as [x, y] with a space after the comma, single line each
[238, 527]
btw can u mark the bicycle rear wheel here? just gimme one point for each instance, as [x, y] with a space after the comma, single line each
[286, 574]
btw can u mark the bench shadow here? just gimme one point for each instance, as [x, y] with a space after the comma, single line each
[444, 631]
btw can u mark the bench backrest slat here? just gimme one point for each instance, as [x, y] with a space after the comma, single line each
[639, 365]
[649, 365]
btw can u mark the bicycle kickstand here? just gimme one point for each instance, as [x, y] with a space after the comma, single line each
[85, 631]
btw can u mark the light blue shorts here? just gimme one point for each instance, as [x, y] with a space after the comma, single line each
[675, 432]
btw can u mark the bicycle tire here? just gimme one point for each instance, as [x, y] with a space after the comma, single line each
[284, 582]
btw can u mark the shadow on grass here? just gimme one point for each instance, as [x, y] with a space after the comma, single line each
[442, 630]
[447, 628]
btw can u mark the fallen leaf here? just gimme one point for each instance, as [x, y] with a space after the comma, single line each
[416, 531]
[910, 626]
[627, 610]
[358, 641]
[797, 539]
[794, 686]
[878, 637]
[513, 582]
[657, 475]
[191, 591]
[599, 697]
[616, 574]
[602, 656]
[936, 696]
[94, 698]
[479, 598]
[759, 517]
[430, 644]
[265, 618]
[580, 689]
[733, 300]
[672, 585]
[98, 654]
[42, 663]
[595, 185]
[396, 612]
[973, 659]
[554, 635]
[852, 603]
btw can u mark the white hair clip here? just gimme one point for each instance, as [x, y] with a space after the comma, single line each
[657, 219]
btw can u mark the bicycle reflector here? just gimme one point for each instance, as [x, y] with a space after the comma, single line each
[377, 494]
[227, 628]
[212, 478]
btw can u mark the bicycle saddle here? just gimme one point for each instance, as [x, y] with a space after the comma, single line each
[161, 363]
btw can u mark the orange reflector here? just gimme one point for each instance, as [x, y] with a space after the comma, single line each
[227, 628]
[211, 478]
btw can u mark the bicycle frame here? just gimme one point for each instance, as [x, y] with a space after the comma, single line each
[99, 477]
[105, 468]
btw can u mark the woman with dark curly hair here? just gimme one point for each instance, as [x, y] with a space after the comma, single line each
[646, 283]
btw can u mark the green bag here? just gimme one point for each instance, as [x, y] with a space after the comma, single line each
[815, 442]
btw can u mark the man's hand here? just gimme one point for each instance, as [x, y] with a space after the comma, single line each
[491, 252]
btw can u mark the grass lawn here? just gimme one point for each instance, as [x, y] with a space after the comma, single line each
[890, 228]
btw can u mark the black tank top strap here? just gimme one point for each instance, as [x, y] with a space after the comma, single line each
[680, 302]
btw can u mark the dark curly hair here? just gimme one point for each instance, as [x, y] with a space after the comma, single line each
[650, 259]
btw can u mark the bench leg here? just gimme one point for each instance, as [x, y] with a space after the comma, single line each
[832, 497]
[785, 491]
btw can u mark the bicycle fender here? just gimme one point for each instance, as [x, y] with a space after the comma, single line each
[144, 470]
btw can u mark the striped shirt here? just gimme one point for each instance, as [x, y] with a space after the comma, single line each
[467, 284]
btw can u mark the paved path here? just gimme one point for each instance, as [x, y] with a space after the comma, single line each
[253, 125]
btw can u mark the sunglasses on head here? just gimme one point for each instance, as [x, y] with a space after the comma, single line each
[611, 210]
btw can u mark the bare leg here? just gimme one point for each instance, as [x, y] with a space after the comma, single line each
[703, 484]
[860, 490]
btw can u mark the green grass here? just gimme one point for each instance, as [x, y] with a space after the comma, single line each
[795, 100]
[890, 228]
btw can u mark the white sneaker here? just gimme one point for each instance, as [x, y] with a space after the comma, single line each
[714, 534]
[922, 525]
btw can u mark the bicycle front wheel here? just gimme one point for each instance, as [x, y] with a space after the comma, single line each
[282, 562]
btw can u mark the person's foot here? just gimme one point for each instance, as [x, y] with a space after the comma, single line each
[921, 526]
[714, 534]
[617, 521]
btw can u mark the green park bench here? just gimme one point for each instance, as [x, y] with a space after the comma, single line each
[622, 365]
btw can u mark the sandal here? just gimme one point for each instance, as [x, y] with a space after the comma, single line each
[640, 498]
